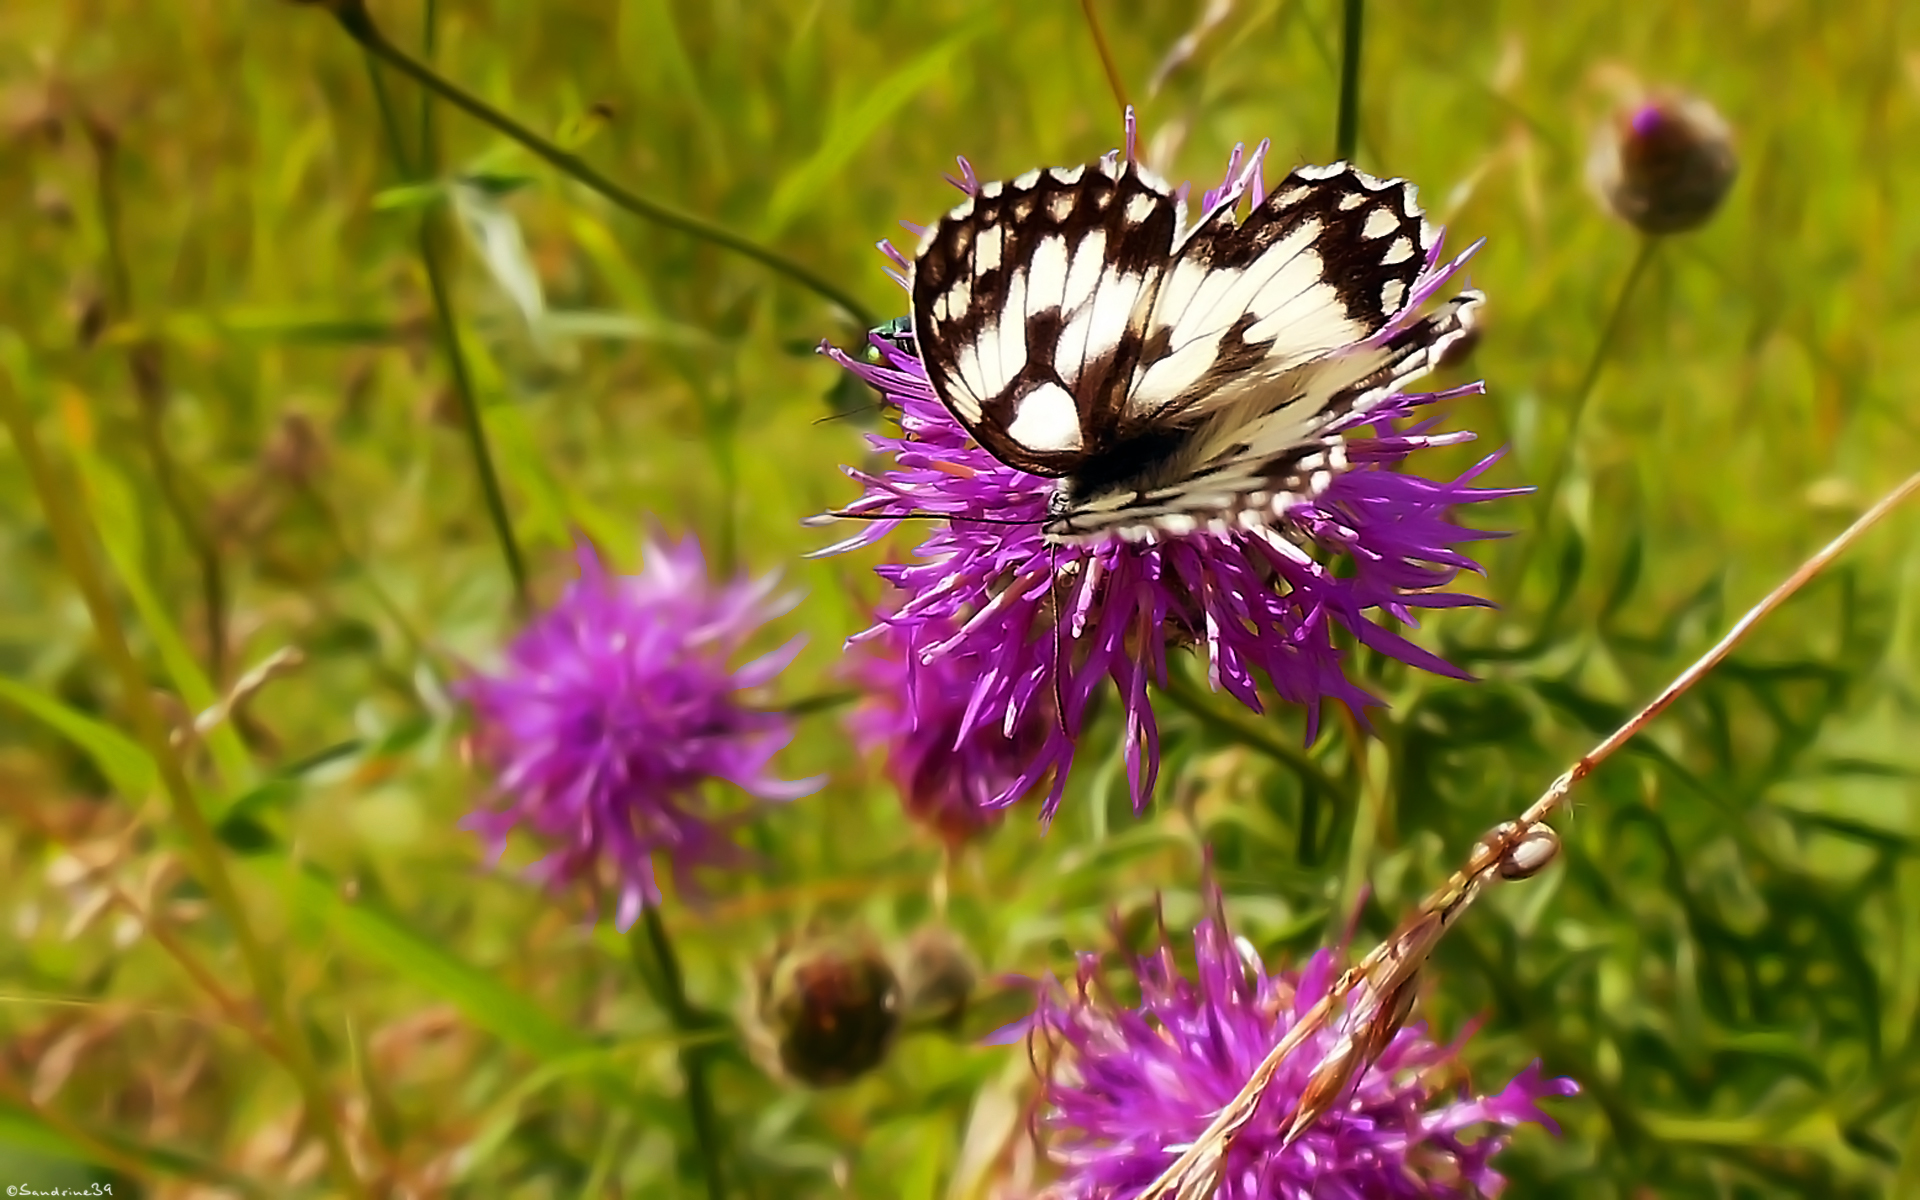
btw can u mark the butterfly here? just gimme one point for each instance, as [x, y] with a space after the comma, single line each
[1172, 378]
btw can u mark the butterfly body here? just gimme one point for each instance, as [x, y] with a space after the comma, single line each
[1170, 377]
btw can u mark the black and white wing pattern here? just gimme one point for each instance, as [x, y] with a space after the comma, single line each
[1030, 301]
[1170, 377]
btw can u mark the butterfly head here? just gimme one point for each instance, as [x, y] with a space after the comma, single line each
[897, 333]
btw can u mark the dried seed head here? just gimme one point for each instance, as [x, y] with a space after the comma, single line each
[831, 1007]
[1337, 1068]
[1663, 164]
[1530, 855]
[1387, 1017]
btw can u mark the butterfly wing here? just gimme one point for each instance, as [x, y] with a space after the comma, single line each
[1246, 470]
[1321, 263]
[1031, 300]
[1263, 334]
[1170, 380]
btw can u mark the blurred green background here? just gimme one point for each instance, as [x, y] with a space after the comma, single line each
[227, 341]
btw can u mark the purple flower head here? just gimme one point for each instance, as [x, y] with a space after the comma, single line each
[1040, 622]
[949, 779]
[1131, 1088]
[613, 711]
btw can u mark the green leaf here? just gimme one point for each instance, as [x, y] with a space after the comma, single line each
[409, 196]
[122, 760]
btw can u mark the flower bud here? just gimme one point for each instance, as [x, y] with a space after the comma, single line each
[937, 977]
[830, 1008]
[1663, 164]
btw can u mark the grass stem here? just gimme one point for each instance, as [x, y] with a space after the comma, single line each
[472, 421]
[1602, 349]
[660, 966]
[1106, 55]
[146, 367]
[1549, 493]
[1347, 136]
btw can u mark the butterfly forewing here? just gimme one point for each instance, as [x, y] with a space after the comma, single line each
[1030, 300]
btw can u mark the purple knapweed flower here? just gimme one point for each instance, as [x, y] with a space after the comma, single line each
[1039, 623]
[951, 779]
[615, 709]
[1130, 1088]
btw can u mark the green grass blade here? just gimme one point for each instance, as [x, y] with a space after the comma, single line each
[121, 759]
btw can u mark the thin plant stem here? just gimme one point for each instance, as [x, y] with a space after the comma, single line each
[1609, 334]
[472, 422]
[1369, 816]
[1346, 137]
[660, 966]
[77, 544]
[354, 18]
[470, 416]
[146, 369]
[1545, 805]
[1106, 55]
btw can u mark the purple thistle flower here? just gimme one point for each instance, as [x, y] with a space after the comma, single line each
[1043, 623]
[916, 714]
[613, 711]
[1134, 1086]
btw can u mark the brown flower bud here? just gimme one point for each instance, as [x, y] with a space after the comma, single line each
[831, 1008]
[1665, 163]
[938, 976]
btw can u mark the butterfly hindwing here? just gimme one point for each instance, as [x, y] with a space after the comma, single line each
[1030, 300]
[1248, 470]
[1323, 261]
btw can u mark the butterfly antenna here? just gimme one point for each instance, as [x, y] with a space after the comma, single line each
[860, 410]
[841, 514]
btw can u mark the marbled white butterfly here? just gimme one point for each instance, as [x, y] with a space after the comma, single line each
[1171, 378]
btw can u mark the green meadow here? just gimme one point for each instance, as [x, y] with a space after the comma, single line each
[314, 378]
